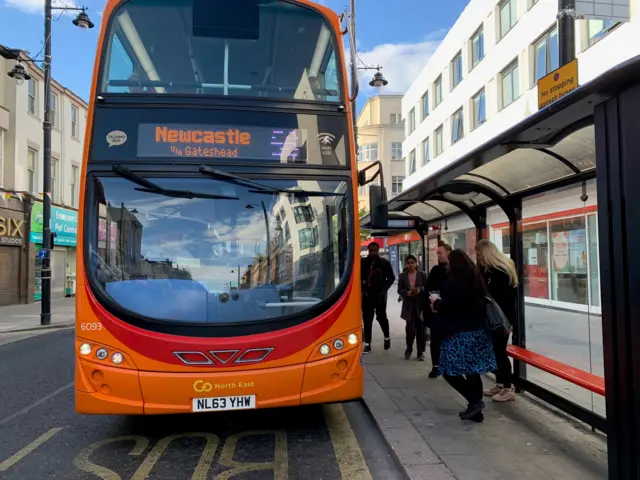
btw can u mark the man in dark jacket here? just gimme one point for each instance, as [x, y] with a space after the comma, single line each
[377, 279]
[435, 281]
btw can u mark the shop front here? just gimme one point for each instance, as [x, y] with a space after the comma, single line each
[64, 223]
[12, 259]
[561, 266]
[402, 245]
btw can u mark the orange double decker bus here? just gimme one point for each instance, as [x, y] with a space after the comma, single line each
[218, 211]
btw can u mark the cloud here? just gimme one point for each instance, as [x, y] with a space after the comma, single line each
[401, 63]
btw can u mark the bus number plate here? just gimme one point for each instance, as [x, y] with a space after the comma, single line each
[240, 402]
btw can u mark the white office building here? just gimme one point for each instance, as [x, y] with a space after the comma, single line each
[482, 80]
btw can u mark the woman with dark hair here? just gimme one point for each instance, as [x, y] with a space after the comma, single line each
[411, 288]
[466, 351]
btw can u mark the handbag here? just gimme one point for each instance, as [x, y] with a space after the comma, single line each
[495, 317]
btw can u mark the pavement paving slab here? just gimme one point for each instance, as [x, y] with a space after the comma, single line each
[419, 419]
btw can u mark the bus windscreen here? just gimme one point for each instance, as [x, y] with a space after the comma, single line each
[156, 47]
[209, 251]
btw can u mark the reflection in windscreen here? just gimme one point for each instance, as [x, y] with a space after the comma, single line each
[218, 261]
[152, 47]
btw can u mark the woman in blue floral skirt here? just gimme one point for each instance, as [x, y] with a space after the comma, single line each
[466, 351]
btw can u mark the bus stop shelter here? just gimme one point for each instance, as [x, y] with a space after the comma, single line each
[592, 133]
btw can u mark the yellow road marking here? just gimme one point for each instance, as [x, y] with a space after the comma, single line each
[83, 463]
[280, 464]
[204, 463]
[345, 444]
[16, 457]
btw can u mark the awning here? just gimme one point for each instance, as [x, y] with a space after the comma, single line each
[366, 243]
[551, 148]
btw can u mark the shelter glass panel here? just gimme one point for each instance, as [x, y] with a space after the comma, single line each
[579, 148]
[523, 169]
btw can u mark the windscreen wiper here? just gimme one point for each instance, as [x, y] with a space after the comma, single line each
[150, 187]
[263, 187]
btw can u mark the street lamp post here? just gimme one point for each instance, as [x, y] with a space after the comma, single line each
[19, 73]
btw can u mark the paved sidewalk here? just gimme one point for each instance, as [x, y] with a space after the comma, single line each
[24, 318]
[419, 417]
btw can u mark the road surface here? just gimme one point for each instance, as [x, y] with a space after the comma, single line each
[43, 438]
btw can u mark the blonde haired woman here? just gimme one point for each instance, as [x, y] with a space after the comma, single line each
[501, 279]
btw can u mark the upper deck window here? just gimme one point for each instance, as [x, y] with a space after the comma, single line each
[244, 48]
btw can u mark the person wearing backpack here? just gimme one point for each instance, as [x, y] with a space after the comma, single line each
[501, 279]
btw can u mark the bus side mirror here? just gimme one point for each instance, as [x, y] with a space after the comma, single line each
[53, 239]
[378, 208]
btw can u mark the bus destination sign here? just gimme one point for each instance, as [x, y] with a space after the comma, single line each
[219, 141]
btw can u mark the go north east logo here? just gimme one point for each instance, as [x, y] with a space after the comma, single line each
[326, 143]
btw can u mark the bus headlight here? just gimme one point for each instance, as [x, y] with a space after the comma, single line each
[325, 349]
[85, 349]
[102, 353]
[117, 358]
[352, 339]
[338, 344]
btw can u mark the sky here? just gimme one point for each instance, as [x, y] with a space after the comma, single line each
[400, 35]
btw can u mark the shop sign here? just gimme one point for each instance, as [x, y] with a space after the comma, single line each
[64, 223]
[11, 232]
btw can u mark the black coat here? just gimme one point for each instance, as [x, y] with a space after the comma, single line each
[435, 282]
[379, 283]
[459, 310]
[501, 290]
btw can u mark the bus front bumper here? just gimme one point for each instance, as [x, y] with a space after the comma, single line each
[106, 390]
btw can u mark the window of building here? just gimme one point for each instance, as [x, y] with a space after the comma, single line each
[32, 162]
[74, 121]
[508, 16]
[510, 80]
[396, 151]
[53, 100]
[74, 185]
[32, 102]
[54, 180]
[479, 109]
[368, 152]
[396, 184]
[412, 120]
[396, 118]
[308, 237]
[426, 151]
[546, 54]
[303, 214]
[412, 162]
[2, 157]
[457, 126]
[437, 91]
[456, 70]
[425, 105]
[597, 29]
[477, 47]
[439, 140]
